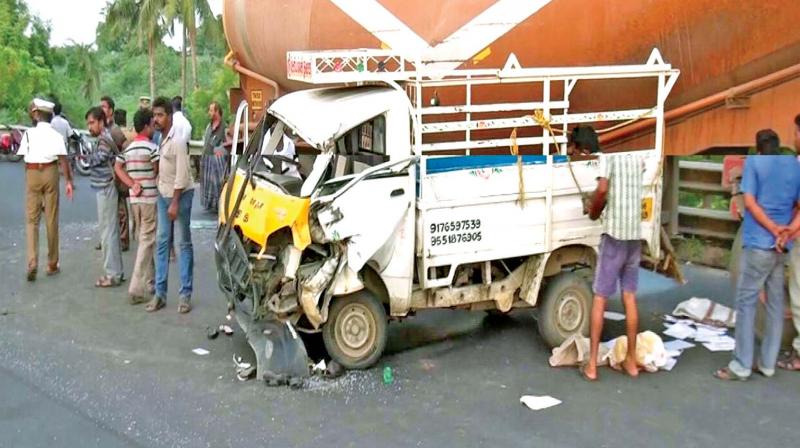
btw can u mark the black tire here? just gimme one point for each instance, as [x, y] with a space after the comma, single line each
[789, 332]
[356, 331]
[565, 309]
[82, 168]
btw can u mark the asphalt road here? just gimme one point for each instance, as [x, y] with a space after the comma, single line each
[81, 367]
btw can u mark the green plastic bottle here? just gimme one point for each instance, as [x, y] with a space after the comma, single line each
[388, 377]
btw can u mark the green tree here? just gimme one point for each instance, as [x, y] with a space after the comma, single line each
[187, 12]
[84, 61]
[147, 18]
[25, 70]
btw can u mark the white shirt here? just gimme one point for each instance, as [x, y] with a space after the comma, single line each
[181, 125]
[288, 151]
[42, 144]
[61, 125]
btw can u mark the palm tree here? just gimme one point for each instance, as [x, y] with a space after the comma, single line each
[187, 12]
[147, 18]
[86, 61]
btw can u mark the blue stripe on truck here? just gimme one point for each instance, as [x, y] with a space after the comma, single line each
[458, 163]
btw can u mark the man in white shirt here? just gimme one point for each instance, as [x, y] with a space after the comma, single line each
[60, 124]
[180, 123]
[285, 149]
[41, 147]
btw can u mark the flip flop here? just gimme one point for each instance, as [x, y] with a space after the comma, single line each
[106, 282]
[184, 307]
[791, 364]
[726, 374]
[154, 305]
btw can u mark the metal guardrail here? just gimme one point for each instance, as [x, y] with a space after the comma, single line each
[704, 178]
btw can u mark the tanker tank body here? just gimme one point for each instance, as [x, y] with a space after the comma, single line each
[717, 44]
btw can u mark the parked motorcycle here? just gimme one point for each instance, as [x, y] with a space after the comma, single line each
[78, 147]
[10, 139]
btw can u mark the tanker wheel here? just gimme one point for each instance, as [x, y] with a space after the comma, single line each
[788, 326]
[566, 308]
[356, 331]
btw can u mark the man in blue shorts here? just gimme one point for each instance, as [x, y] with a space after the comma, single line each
[619, 191]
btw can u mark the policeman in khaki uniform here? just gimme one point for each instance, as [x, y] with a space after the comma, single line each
[42, 146]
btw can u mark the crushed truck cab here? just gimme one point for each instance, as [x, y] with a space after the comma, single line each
[407, 204]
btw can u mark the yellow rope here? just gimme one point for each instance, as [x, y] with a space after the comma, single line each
[515, 151]
[543, 121]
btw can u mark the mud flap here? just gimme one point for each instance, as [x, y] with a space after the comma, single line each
[281, 357]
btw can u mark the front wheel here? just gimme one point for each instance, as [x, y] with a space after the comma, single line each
[82, 167]
[356, 331]
[566, 308]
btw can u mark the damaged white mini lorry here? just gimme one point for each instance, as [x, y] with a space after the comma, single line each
[418, 189]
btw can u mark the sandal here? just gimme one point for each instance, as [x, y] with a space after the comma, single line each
[726, 374]
[184, 307]
[792, 363]
[53, 270]
[154, 305]
[136, 300]
[31, 275]
[106, 282]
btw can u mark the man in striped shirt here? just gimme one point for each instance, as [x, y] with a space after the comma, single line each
[137, 167]
[101, 178]
[619, 187]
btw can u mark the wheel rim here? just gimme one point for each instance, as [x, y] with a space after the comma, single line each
[355, 330]
[570, 312]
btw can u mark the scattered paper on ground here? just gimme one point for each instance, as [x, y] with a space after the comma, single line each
[670, 364]
[721, 344]
[612, 315]
[538, 403]
[706, 335]
[678, 345]
[680, 331]
[200, 351]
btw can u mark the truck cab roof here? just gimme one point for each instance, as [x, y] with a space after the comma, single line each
[320, 116]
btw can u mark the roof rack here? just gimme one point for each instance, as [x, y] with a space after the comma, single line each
[464, 124]
[372, 65]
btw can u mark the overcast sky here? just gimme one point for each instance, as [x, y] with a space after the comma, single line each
[77, 19]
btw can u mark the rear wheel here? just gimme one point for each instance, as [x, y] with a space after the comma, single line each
[356, 331]
[566, 308]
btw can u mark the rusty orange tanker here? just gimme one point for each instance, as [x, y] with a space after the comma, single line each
[740, 60]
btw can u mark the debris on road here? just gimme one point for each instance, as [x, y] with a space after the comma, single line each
[707, 312]
[650, 352]
[575, 351]
[200, 351]
[388, 376]
[721, 344]
[226, 329]
[538, 403]
[319, 367]
[677, 345]
[211, 333]
[712, 336]
[680, 330]
[612, 315]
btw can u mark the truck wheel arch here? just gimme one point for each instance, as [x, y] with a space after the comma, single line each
[567, 256]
